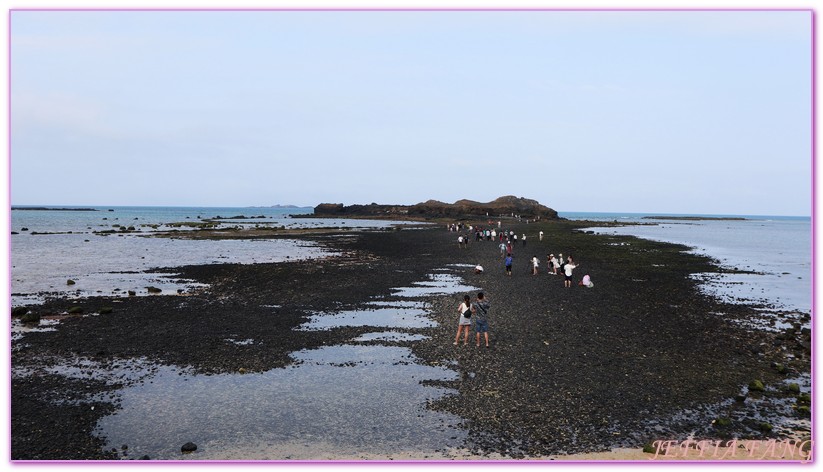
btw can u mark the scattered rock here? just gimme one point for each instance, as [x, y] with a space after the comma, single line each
[70, 282]
[153, 289]
[30, 318]
[132, 293]
[756, 386]
[188, 448]
[19, 311]
[793, 388]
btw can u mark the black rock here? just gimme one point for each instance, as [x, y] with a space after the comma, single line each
[30, 318]
[19, 311]
[188, 448]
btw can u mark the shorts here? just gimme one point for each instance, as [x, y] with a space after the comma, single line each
[568, 277]
[464, 321]
[481, 326]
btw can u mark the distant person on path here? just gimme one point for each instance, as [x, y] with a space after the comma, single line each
[555, 265]
[524, 240]
[568, 268]
[541, 235]
[465, 320]
[535, 265]
[503, 249]
[508, 262]
[460, 242]
[480, 310]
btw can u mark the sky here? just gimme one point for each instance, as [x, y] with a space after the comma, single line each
[706, 112]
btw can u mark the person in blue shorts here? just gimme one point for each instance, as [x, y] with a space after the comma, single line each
[509, 264]
[480, 313]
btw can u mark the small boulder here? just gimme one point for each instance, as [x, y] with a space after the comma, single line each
[70, 282]
[189, 447]
[30, 318]
[132, 293]
[19, 311]
[756, 386]
[153, 289]
[804, 410]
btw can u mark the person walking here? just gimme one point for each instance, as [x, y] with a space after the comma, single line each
[541, 235]
[554, 266]
[508, 262]
[524, 240]
[480, 311]
[535, 265]
[465, 320]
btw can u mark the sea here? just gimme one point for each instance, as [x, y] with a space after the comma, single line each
[363, 399]
[772, 255]
[109, 250]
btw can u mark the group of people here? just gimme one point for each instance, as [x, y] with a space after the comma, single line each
[477, 312]
[555, 265]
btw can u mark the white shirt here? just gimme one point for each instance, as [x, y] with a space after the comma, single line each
[535, 261]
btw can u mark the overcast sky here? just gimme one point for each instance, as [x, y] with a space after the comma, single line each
[676, 112]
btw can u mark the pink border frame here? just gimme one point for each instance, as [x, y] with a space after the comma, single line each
[441, 462]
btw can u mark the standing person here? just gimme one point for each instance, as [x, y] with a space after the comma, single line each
[555, 265]
[568, 268]
[460, 242]
[465, 320]
[514, 237]
[503, 249]
[535, 265]
[524, 239]
[480, 309]
[508, 262]
[541, 235]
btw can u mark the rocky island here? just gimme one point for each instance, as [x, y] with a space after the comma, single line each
[432, 209]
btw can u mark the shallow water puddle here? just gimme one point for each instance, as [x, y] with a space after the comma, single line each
[337, 401]
[363, 401]
[385, 317]
[439, 284]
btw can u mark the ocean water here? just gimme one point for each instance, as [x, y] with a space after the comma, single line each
[775, 252]
[50, 247]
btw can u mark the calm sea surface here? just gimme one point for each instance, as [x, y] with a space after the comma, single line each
[53, 246]
[776, 250]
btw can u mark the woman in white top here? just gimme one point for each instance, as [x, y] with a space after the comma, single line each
[535, 264]
[568, 268]
[465, 322]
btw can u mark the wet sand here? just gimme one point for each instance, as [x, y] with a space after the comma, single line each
[642, 356]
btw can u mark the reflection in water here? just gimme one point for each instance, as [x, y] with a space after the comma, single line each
[364, 401]
[351, 399]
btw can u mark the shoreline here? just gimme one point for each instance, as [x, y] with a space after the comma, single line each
[377, 261]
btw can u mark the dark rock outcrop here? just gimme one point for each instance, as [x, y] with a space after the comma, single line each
[501, 207]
